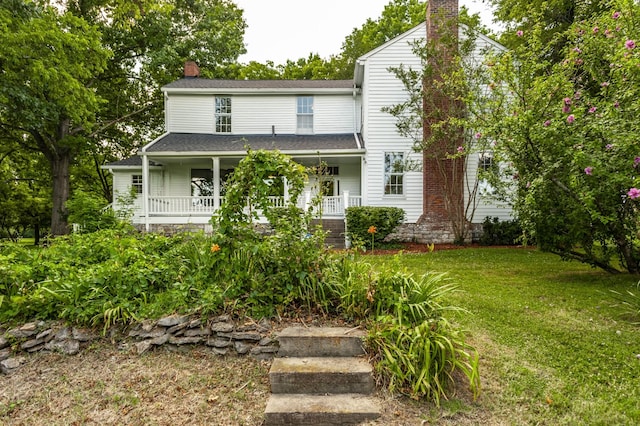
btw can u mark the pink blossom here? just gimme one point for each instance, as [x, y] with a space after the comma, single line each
[595, 30]
[478, 135]
[566, 109]
[520, 33]
[571, 119]
[605, 84]
[567, 101]
[460, 149]
[609, 146]
[592, 109]
[630, 44]
[616, 15]
[588, 170]
[577, 50]
[636, 161]
[634, 193]
[547, 123]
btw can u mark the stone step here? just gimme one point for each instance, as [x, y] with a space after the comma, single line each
[320, 410]
[334, 375]
[320, 341]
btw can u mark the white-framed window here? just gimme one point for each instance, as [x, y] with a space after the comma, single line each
[223, 114]
[136, 183]
[393, 173]
[304, 114]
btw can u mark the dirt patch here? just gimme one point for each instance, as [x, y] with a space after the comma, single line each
[104, 386]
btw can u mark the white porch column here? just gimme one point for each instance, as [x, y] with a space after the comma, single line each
[345, 200]
[145, 191]
[364, 190]
[347, 240]
[216, 182]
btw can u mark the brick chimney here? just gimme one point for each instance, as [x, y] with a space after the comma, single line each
[443, 177]
[191, 70]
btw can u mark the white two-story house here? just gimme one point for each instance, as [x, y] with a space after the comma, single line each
[209, 125]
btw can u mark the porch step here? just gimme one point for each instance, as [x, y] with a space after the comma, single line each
[320, 342]
[321, 410]
[336, 231]
[321, 377]
[335, 375]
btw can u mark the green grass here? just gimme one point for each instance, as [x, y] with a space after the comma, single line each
[554, 349]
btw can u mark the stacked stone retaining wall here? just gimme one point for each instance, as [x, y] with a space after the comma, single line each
[222, 335]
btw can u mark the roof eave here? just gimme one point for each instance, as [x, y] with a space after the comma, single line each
[253, 91]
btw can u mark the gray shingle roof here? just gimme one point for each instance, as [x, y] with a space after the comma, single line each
[210, 143]
[203, 83]
[132, 162]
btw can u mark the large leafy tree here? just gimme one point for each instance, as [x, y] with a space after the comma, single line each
[81, 78]
[551, 17]
[569, 129]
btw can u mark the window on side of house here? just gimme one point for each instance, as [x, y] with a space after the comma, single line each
[136, 183]
[304, 114]
[223, 114]
[393, 173]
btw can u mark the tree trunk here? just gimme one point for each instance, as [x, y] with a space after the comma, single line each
[36, 233]
[60, 171]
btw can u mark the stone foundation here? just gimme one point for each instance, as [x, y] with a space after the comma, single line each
[220, 334]
[431, 233]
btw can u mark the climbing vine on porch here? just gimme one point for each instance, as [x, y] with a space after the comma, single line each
[259, 176]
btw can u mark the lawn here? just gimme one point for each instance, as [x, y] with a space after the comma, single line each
[554, 347]
[553, 350]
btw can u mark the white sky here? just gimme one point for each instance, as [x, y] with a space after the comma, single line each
[291, 29]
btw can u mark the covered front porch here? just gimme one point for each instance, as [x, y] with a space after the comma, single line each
[190, 190]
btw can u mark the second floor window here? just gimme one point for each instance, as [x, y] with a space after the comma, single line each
[304, 115]
[393, 173]
[223, 115]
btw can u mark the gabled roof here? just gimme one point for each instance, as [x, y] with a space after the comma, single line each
[203, 85]
[181, 144]
[359, 70]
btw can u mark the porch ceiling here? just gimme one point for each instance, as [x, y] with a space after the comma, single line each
[207, 144]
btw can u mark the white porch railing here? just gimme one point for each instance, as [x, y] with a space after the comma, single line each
[202, 206]
[177, 206]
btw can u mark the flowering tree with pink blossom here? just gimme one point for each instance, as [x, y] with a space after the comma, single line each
[571, 133]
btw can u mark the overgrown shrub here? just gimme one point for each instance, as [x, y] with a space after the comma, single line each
[500, 233]
[90, 212]
[361, 219]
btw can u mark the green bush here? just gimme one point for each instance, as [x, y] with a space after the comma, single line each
[500, 233]
[361, 219]
[90, 212]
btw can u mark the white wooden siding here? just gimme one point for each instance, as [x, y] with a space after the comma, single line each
[256, 114]
[382, 89]
[190, 114]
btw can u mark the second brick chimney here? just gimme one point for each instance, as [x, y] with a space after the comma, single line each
[191, 70]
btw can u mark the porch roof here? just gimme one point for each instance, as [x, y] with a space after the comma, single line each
[207, 144]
